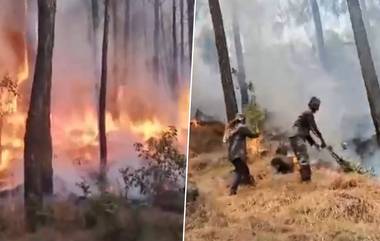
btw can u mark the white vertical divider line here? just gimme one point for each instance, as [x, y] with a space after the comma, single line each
[189, 121]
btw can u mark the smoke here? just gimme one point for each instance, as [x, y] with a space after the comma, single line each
[11, 36]
[281, 61]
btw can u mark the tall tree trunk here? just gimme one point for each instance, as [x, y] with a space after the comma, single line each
[240, 62]
[95, 15]
[181, 6]
[115, 34]
[102, 97]
[190, 20]
[126, 36]
[156, 39]
[319, 32]
[146, 42]
[366, 62]
[38, 170]
[175, 50]
[115, 81]
[166, 59]
[224, 60]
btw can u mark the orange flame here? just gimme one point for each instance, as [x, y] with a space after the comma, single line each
[147, 128]
[23, 72]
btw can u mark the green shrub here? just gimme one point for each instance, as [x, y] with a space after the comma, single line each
[255, 116]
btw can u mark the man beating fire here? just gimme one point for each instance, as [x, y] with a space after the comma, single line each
[301, 133]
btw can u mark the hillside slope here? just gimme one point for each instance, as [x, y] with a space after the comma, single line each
[333, 207]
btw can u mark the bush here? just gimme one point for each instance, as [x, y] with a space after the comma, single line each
[255, 116]
[165, 165]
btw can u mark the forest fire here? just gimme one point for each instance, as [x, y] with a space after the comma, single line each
[131, 117]
[148, 128]
[23, 73]
[75, 136]
[258, 146]
[93, 110]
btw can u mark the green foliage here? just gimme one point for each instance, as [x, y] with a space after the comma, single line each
[350, 166]
[103, 207]
[255, 116]
[165, 164]
[356, 167]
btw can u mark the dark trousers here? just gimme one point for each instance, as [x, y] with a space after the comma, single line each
[300, 150]
[242, 173]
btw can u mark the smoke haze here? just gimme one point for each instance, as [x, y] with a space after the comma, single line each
[281, 60]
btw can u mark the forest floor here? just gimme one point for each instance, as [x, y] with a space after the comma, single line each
[333, 207]
[107, 218]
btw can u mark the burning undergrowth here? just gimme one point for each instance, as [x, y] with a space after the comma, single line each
[115, 214]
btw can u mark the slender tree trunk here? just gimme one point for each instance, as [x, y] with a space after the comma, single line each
[166, 59]
[181, 2]
[115, 34]
[90, 30]
[240, 61]
[366, 62]
[102, 97]
[319, 32]
[190, 19]
[115, 81]
[156, 39]
[127, 21]
[95, 16]
[145, 27]
[224, 60]
[175, 50]
[38, 170]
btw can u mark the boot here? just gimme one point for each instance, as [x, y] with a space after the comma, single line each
[305, 172]
[249, 180]
[233, 192]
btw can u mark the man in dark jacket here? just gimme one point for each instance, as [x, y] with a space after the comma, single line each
[301, 133]
[237, 151]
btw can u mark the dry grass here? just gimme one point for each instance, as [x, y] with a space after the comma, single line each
[333, 207]
[214, 133]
